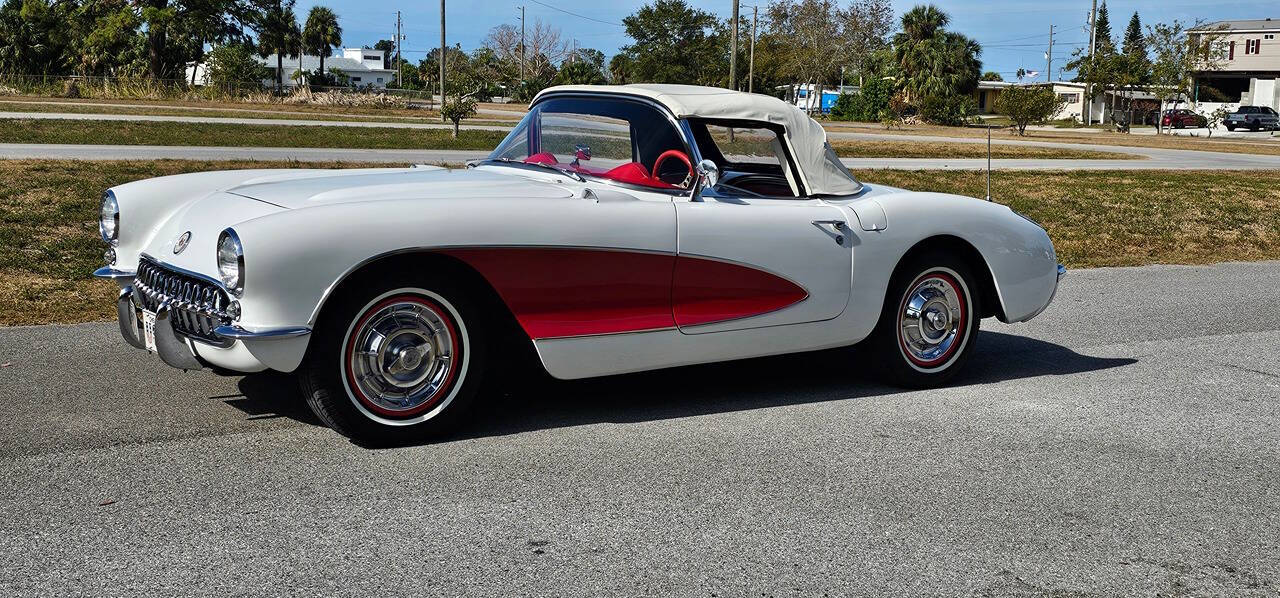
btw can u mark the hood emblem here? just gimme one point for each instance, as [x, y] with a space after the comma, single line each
[182, 243]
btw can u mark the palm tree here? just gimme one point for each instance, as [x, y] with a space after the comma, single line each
[321, 34]
[933, 61]
[278, 34]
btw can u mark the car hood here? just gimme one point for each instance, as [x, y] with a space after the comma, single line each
[300, 189]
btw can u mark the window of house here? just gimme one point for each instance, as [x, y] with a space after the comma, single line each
[356, 79]
[373, 58]
[1252, 46]
[379, 79]
[1069, 98]
[1269, 36]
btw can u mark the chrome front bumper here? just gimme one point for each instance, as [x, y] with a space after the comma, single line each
[180, 350]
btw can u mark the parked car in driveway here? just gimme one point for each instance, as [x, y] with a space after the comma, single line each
[616, 229]
[1254, 118]
[1183, 118]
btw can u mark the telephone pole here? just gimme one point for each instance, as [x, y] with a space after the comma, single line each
[522, 43]
[733, 50]
[751, 62]
[1093, 44]
[442, 53]
[399, 63]
[1048, 56]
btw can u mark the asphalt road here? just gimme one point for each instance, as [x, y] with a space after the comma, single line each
[1151, 158]
[1156, 159]
[1124, 443]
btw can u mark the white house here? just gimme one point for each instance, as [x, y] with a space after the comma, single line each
[363, 66]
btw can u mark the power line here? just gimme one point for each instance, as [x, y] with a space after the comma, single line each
[580, 16]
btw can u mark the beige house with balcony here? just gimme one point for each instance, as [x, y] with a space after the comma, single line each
[1250, 66]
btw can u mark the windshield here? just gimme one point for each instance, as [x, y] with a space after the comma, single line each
[614, 139]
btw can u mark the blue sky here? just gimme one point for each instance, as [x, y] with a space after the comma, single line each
[1014, 33]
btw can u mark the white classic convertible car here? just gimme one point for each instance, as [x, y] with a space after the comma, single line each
[616, 229]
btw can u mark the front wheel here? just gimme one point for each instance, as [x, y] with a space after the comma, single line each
[929, 322]
[400, 363]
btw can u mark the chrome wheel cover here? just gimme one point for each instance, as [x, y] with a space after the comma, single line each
[932, 319]
[401, 356]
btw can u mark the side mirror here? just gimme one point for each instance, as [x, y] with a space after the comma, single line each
[708, 176]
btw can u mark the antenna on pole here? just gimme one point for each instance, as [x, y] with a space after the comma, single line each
[988, 162]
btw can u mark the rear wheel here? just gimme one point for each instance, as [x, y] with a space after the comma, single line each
[929, 322]
[396, 362]
[1231, 127]
[1254, 125]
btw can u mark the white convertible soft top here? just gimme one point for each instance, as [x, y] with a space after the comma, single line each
[823, 174]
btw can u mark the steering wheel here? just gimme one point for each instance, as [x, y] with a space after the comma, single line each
[657, 166]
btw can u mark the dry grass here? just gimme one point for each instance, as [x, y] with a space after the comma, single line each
[49, 234]
[1130, 218]
[938, 149]
[1217, 144]
[49, 240]
[238, 106]
[241, 135]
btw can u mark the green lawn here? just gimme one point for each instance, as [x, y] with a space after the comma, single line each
[49, 240]
[95, 132]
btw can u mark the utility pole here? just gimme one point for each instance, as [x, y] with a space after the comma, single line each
[751, 62]
[733, 50]
[399, 63]
[1093, 44]
[442, 53]
[1048, 56]
[573, 58]
[522, 43]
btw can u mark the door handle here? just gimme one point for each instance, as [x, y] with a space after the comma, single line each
[836, 224]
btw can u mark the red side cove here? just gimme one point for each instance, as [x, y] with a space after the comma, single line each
[705, 291]
[558, 292]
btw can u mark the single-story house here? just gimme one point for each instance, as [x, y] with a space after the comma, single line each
[363, 66]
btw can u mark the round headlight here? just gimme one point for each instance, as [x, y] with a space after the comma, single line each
[231, 262]
[109, 217]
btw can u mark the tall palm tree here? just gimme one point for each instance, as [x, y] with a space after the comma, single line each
[321, 34]
[934, 61]
[278, 34]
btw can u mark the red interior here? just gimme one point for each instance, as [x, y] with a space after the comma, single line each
[634, 172]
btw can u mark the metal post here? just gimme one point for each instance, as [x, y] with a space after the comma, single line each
[733, 50]
[751, 62]
[988, 162]
[442, 54]
[522, 43]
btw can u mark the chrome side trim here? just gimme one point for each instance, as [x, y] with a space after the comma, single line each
[238, 333]
[112, 273]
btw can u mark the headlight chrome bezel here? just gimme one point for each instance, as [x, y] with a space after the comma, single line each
[230, 258]
[109, 218]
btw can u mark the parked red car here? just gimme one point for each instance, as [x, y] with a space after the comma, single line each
[1179, 119]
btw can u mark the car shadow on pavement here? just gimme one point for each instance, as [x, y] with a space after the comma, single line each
[759, 383]
[533, 402]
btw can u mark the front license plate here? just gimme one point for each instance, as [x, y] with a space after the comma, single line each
[149, 329]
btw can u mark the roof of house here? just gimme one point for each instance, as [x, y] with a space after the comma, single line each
[823, 176]
[1242, 25]
[311, 63]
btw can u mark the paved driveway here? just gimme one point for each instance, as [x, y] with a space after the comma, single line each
[1125, 443]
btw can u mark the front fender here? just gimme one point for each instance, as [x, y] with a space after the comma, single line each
[294, 259]
[1017, 252]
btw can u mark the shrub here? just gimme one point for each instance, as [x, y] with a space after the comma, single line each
[233, 67]
[950, 110]
[457, 109]
[71, 89]
[1025, 105]
[868, 105]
